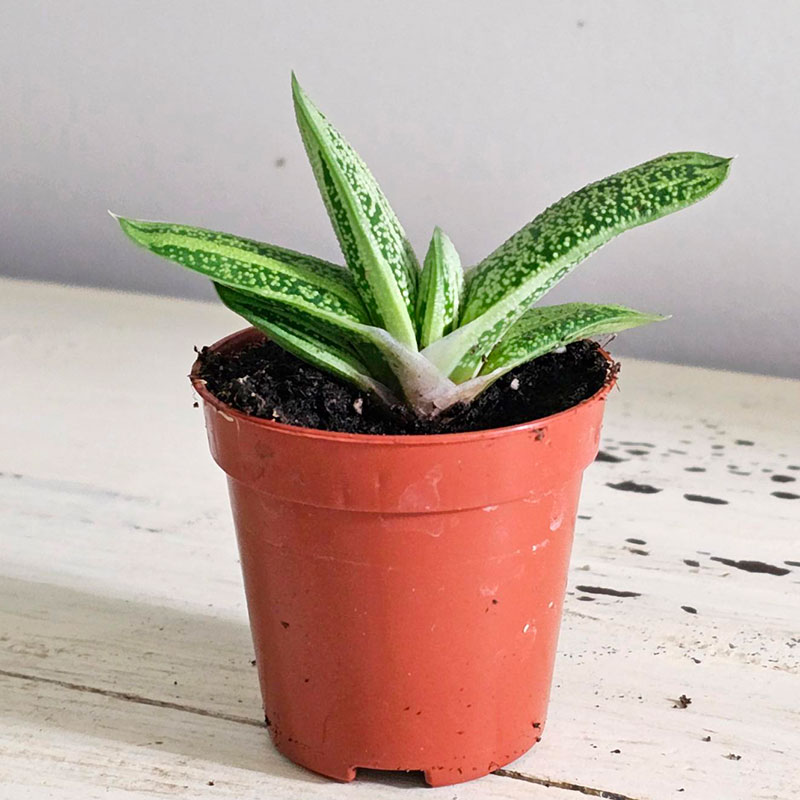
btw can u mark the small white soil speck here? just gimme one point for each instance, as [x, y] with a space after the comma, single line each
[514, 385]
[358, 405]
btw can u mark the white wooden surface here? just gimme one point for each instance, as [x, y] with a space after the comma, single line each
[124, 650]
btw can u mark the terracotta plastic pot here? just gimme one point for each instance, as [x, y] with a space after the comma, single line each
[405, 592]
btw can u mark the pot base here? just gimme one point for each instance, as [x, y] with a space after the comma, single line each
[343, 770]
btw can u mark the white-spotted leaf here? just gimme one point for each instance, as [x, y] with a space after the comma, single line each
[541, 330]
[505, 284]
[440, 286]
[373, 242]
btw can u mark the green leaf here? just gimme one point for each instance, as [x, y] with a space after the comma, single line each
[301, 342]
[439, 296]
[524, 268]
[373, 242]
[299, 292]
[295, 280]
[359, 339]
[541, 330]
[394, 368]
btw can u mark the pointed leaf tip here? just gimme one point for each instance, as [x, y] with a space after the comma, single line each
[296, 88]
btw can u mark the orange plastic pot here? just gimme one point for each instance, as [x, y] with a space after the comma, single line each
[404, 592]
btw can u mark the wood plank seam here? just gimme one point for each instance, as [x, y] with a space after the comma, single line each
[148, 701]
[133, 698]
[567, 786]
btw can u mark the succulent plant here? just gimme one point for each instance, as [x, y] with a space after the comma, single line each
[429, 336]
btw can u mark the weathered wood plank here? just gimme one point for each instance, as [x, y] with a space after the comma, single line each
[73, 745]
[119, 574]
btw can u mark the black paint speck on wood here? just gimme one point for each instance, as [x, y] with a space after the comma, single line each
[637, 444]
[608, 458]
[745, 442]
[783, 478]
[586, 599]
[634, 452]
[751, 566]
[636, 541]
[638, 551]
[792, 563]
[583, 516]
[604, 590]
[682, 702]
[794, 467]
[701, 498]
[786, 495]
[689, 609]
[694, 469]
[690, 562]
[632, 486]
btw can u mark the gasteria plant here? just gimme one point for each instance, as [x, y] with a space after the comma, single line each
[433, 336]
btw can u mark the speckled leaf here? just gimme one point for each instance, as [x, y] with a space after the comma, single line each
[301, 341]
[540, 330]
[520, 271]
[397, 369]
[284, 276]
[373, 242]
[439, 296]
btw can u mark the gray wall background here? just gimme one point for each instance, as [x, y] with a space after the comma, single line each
[473, 115]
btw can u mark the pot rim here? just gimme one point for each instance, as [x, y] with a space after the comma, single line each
[199, 386]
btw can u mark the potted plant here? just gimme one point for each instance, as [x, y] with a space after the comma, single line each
[404, 450]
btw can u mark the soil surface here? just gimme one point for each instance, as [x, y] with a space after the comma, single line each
[265, 381]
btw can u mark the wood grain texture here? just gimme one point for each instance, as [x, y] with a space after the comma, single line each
[125, 658]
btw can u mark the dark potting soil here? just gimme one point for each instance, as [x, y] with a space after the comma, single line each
[265, 381]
